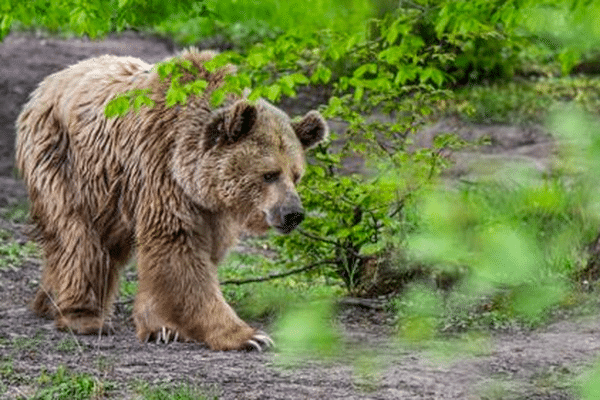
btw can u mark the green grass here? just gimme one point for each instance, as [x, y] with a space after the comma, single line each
[16, 212]
[12, 253]
[66, 385]
[522, 102]
[8, 374]
[27, 343]
[240, 22]
[170, 391]
[128, 287]
[68, 344]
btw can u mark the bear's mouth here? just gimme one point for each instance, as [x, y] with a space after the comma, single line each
[285, 229]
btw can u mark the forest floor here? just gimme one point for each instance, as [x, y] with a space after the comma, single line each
[545, 363]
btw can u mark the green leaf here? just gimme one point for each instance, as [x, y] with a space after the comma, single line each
[411, 44]
[334, 54]
[142, 100]
[117, 107]
[5, 24]
[370, 249]
[344, 82]
[164, 69]
[175, 96]
[196, 87]
[568, 58]
[307, 331]
[391, 55]
[287, 81]
[437, 77]
[273, 92]
[217, 97]
[322, 74]
[257, 60]
[255, 94]
[392, 32]
[432, 74]
[443, 19]
[300, 79]
[358, 93]
[363, 69]
[187, 65]
[406, 73]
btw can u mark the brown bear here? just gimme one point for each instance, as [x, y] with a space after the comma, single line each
[177, 183]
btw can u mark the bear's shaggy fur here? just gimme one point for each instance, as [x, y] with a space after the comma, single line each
[177, 183]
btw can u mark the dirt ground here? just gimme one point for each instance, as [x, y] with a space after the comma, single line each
[542, 364]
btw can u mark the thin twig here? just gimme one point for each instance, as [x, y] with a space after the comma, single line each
[320, 239]
[336, 244]
[61, 314]
[278, 275]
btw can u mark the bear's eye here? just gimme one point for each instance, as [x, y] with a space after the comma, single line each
[272, 176]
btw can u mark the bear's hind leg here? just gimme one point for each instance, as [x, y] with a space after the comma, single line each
[79, 279]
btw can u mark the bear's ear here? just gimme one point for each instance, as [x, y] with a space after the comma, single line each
[231, 124]
[311, 129]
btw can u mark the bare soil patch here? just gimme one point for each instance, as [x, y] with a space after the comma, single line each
[541, 364]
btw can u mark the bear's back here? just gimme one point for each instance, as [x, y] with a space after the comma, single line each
[66, 147]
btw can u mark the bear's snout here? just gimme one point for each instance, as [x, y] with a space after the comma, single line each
[286, 217]
[291, 219]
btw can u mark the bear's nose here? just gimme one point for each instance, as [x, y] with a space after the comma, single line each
[292, 219]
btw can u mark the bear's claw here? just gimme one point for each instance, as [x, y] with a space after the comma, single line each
[165, 335]
[259, 342]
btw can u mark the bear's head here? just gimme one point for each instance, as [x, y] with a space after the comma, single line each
[248, 160]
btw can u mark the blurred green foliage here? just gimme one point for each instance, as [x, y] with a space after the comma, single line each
[307, 330]
[93, 18]
[589, 384]
[244, 22]
[517, 244]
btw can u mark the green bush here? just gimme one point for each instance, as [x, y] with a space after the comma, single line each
[518, 245]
